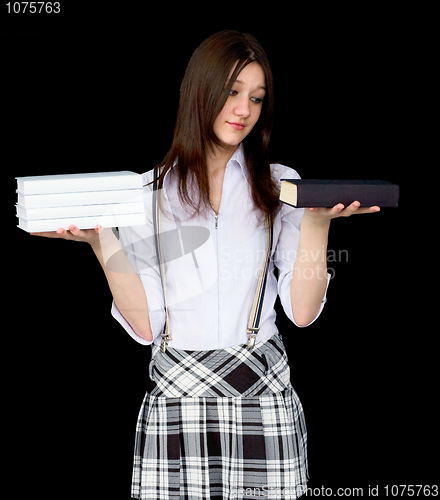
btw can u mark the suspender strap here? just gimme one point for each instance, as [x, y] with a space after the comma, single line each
[257, 306]
[157, 225]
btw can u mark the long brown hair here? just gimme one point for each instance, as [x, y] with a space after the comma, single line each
[203, 93]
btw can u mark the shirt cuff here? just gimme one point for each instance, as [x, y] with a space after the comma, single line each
[287, 304]
[156, 322]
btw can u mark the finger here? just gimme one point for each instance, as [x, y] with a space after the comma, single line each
[47, 234]
[77, 233]
[369, 210]
[87, 235]
[337, 209]
[353, 208]
[74, 230]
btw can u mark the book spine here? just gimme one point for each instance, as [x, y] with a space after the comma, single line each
[82, 222]
[71, 185]
[329, 195]
[74, 199]
[79, 211]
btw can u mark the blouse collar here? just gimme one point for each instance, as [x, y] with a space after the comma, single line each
[237, 157]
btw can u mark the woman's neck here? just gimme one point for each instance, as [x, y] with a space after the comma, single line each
[218, 158]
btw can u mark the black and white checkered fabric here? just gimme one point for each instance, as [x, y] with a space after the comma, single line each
[220, 424]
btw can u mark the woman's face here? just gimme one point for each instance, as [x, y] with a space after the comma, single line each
[243, 106]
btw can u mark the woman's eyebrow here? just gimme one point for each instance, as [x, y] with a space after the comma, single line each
[242, 83]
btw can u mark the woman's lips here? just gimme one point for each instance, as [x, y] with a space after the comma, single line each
[237, 126]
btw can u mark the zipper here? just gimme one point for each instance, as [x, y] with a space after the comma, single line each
[218, 274]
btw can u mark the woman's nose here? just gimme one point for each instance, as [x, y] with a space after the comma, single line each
[242, 107]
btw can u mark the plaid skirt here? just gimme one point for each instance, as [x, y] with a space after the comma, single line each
[220, 424]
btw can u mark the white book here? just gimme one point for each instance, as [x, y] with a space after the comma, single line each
[71, 183]
[75, 199]
[32, 226]
[79, 211]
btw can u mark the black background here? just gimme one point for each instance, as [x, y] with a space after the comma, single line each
[96, 91]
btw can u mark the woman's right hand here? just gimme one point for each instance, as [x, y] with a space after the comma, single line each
[91, 236]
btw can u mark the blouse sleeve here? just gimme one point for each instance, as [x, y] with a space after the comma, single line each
[139, 246]
[287, 249]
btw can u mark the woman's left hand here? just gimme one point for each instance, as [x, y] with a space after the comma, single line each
[325, 215]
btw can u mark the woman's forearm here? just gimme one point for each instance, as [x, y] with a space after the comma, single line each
[309, 280]
[125, 285]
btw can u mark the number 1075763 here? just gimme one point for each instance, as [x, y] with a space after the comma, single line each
[33, 7]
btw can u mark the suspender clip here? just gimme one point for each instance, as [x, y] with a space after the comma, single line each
[251, 341]
[252, 332]
[164, 343]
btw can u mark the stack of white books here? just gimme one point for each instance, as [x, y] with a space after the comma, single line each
[49, 202]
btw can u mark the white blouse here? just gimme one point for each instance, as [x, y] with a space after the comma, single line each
[213, 263]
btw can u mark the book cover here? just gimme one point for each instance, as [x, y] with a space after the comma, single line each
[36, 226]
[84, 198]
[329, 192]
[79, 211]
[71, 183]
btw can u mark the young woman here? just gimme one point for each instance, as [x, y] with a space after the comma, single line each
[220, 418]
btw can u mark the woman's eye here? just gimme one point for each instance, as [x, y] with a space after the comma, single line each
[256, 100]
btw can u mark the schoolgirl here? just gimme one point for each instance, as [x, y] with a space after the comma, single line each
[220, 418]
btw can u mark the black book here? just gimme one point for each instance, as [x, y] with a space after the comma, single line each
[330, 192]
